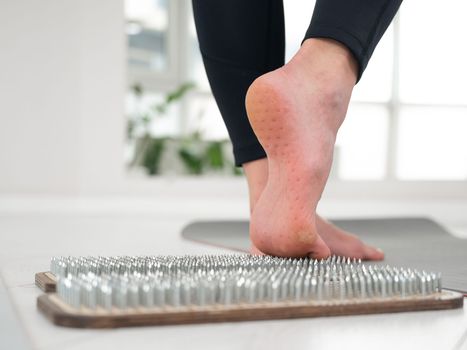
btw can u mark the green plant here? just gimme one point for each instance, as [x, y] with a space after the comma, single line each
[197, 155]
[193, 162]
[146, 118]
[173, 96]
[148, 150]
[214, 156]
[152, 155]
[210, 157]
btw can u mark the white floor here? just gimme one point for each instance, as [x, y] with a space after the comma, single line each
[32, 229]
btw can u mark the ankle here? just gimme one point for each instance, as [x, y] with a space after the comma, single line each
[329, 59]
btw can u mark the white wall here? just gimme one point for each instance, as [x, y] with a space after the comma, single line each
[62, 82]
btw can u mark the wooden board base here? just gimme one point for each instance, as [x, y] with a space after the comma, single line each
[46, 281]
[64, 315]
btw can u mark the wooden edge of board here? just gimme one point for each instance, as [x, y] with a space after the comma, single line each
[64, 316]
[45, 281]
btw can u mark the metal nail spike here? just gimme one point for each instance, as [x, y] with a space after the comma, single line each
[180, 281]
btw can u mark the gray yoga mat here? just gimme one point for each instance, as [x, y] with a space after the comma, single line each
[407, 242]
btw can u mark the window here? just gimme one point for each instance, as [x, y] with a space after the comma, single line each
[147, 24]
[152, 29]
[408, 115]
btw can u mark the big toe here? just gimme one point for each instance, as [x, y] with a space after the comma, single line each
[372, 253]
[319, 249]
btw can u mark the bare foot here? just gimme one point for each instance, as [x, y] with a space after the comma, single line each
[340, 242]
[344, 243]
[296, 112]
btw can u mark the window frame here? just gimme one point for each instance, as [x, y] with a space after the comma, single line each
[160, 81]
[389, 186]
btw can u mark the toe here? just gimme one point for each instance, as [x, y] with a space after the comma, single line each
[372, 253]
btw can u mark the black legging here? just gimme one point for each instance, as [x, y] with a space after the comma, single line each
[241, 40]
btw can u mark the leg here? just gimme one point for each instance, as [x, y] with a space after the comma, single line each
[296, 112]
[240, 40]
[357, 24]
